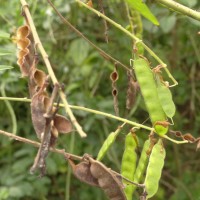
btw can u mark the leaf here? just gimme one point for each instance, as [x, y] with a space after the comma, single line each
[4, 67]
[78, 51]
[5, 54]
[4, 35]
[143, 9]
[167, 23]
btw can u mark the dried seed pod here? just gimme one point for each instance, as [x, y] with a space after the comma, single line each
[132, 90]
[26, 48]
[82, 172]
[107, 180]
[189, 137]
[38, 110]
[114, 77]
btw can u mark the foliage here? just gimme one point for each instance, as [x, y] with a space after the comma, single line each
[85, 75]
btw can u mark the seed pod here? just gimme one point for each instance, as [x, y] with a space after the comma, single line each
[106, 180]
[106, 145]
[166, 101]
[149, 91]
[142, 164]
[82, 172]
[129, 160]
[26, 51]
[154, 169]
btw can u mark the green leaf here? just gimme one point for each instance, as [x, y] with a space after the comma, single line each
[4, 67]
[4, 35]
[167, 23]
[143, 10]
[78, 51]
[5, 54]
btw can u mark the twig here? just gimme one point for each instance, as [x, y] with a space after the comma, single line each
[49, 68]
[180, 8]
[88, 110]
[137, 40]
[102, 53]
[37, 144]
[103, 114]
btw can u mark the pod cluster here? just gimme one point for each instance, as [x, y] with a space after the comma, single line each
[157, 97]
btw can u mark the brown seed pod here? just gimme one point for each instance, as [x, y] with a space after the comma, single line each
[82, 172]
[133, 88]
[107, 180]
[26, 52]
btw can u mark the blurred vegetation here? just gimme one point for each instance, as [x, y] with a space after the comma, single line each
[86, 77]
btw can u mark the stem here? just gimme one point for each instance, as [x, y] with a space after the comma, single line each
[180, 8]
[103, 114]
[174, 141]
[37, 144]
[38, 44]
[68, 176]
[87, 110]
[10, 109]
[137, 40]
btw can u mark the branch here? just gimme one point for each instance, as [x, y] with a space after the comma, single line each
[136, 39]
[87, 110]
[37, 144]
[180, 8]
[49, 68]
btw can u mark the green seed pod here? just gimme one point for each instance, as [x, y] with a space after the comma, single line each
[149, 91]
[142, 164]
[107, 144]
[154, 169]
[166, 101]
[129, 160]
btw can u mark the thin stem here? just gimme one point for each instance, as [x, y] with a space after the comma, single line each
[137, 40]
[175, 141]
[69, 172]
[88, 110]
[180, 8]
[10, 109]
[49, 68]
[103, 114]
[102, 53]
[37, 144]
